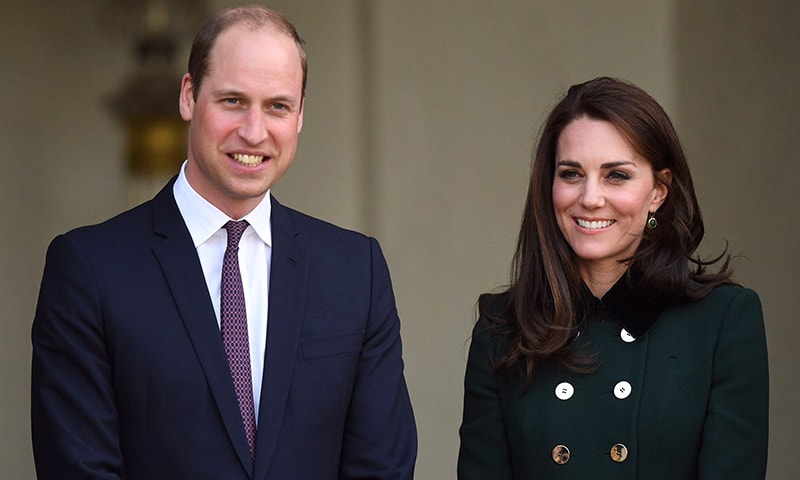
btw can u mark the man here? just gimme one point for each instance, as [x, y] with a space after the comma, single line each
[136, 367]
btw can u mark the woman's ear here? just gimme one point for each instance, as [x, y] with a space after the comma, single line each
[663, 181]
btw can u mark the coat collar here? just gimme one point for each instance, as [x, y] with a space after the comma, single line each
[636, 309]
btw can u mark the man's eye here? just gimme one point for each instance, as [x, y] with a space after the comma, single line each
[231, 101]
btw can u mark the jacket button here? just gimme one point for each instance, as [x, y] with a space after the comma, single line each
[564, 391]
[622, 390]
[619, 452]
[626, 336]
[561, 454]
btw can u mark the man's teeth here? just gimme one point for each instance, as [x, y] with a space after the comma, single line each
[595, 224]
[249, 160]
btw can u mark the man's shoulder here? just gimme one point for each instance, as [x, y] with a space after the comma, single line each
[305, 224]
[122, 223]
[140, 219]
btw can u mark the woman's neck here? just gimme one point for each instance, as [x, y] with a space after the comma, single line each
[600, 278]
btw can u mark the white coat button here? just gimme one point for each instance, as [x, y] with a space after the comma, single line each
[564, 391]
[622, 390]
[626, 336]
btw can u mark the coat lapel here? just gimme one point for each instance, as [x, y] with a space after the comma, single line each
[184, 275]
[287, 290]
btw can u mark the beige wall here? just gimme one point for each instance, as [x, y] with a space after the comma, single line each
[419, 124]
[739, 113]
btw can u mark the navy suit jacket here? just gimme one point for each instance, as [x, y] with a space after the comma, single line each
[130, 378]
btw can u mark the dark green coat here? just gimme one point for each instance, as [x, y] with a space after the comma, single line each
[687, 398]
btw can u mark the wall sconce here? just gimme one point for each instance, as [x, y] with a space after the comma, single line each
[147, 105]
[147, 101]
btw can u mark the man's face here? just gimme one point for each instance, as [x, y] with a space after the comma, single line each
[245, 122]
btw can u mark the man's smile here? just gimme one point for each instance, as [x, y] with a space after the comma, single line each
[247, 160]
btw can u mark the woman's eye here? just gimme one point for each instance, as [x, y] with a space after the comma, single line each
[618, 176]
[568, 174]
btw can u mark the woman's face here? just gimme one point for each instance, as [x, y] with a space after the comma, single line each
[602, 193]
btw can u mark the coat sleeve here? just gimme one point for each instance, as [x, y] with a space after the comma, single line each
[484, 451]
[73, 417]
[380, 438]
[735, 432]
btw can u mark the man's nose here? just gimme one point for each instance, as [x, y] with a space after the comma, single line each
[253, 129]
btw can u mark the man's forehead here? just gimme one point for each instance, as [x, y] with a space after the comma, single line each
[246, 34]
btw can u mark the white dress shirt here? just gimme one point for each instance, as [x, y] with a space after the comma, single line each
[206, 226]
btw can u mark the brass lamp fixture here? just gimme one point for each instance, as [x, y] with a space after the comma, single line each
[147, 101]
[155, 135]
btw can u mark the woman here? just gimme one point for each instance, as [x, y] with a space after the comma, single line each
[614, 353]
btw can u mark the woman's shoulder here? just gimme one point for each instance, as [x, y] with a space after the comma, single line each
[724, 304]
[492, 323]
[493, 304]
[725, 294]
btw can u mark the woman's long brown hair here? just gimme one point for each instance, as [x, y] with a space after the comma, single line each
[540, 309]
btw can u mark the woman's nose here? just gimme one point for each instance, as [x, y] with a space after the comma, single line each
[592, 195]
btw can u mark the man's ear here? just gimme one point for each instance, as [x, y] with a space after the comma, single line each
[186, 98]
[300, 119]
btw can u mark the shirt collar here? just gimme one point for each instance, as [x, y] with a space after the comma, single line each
[204, 219]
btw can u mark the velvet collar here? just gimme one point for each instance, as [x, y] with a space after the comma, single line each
[634, 308]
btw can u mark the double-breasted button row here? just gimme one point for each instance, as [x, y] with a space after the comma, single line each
[618, 453]
[565, 390]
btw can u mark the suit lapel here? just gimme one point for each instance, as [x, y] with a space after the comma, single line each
[184, 275]
[287, 290]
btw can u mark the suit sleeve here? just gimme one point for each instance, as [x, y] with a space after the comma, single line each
[484, 450]
[73, 417]
[380, 440]
[735, 433]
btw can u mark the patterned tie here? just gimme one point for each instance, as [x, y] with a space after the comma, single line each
[234, 330]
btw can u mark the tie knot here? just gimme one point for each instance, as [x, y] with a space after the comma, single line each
[235, 230]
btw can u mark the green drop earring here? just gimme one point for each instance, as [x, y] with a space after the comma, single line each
[652, 223]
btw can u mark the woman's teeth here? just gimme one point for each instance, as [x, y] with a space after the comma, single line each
[594, 224]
